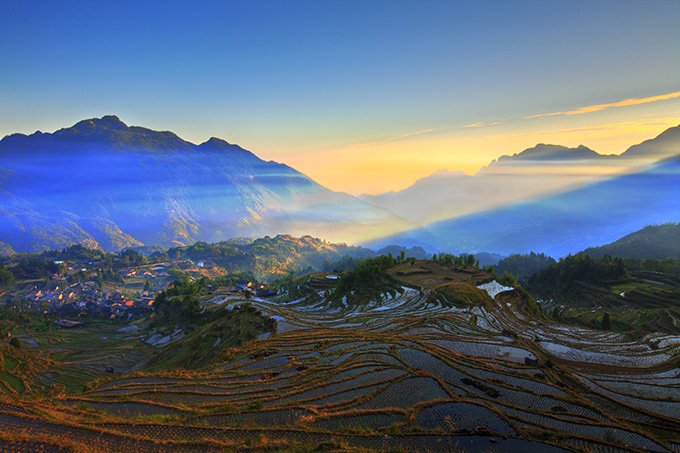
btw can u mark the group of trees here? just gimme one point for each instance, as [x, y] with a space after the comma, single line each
[179, 303]
[235, 277]
[367, 281]
[560, 278]
[667, 266]
[524, 265]
[130, 257]
[34, 267]
[76, 252]
[6, 278]
[448, 259]
[508, 279]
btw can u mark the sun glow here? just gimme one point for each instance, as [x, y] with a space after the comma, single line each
[396, 163]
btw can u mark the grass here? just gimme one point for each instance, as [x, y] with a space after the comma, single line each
[157, 418]
[11, 363]
[13, 382]
[461, 295]
[627, 320]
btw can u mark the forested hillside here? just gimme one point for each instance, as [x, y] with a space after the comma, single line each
[652, 242]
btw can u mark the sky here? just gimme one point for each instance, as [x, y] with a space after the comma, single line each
[362, 96]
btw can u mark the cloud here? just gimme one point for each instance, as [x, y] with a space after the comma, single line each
[398, 137]
[408, 135]
[425, 131]
[482, 124]
[596, 108]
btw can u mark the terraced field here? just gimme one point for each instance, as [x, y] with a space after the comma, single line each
[406, 372]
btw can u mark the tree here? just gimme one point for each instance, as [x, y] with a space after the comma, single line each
[606, 322]
[15, 342]
[556, 313]
[470, 260]
[508, 279]
[6, 277]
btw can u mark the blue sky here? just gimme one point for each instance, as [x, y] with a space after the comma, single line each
[338, 88]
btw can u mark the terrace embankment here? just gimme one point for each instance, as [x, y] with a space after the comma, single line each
[410, 370]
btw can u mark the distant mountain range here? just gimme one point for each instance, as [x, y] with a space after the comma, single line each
[529, 175]
[564, 223]
[105, 184]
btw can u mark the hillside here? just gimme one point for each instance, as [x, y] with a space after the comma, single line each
[102, 183]
[429, 357]
[662, 146]
[652, 242]
[582, 289]
[271, 256]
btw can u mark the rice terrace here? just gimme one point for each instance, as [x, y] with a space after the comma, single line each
[428, 357]
[340, 226]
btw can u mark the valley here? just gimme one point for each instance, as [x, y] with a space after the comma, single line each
[340, 226]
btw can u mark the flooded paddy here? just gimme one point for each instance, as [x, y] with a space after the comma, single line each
[399, 373]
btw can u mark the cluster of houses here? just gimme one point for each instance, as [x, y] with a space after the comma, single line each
[260, 290]
[85, 300]
[79, 300]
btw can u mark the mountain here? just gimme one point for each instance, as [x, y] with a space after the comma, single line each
[534, 173]
[564, 223]
[418, 253]
[272, 257]
[438, 196]
[652, 242]
[5, 249]
[555, 152]
[105, 184]
[663, 145]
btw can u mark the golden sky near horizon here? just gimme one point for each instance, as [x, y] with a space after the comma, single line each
[395, 163]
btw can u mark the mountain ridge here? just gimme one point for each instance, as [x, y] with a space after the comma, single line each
[536, 172]
[147, 187]
[562, 223]
[651, 242]
[544, 151]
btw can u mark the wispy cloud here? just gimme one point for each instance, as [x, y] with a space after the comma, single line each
[398, 137]
[411, 134]
[408, 135]
[596, 108]
[482, 124]
[584, 134]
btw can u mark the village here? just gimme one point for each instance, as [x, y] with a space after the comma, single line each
[122, 295]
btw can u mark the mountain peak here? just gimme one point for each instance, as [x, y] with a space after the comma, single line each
[544, 151]
[97, 134]
[106, 122]
[218, 143]
[111, 122]
[235, 151]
